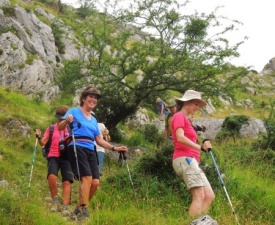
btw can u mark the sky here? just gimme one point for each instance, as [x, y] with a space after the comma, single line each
[258, 18]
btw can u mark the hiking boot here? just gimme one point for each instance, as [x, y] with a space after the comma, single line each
[76, 214]
[85, 213]
[55, 207]
[65, 210]
[204, 220]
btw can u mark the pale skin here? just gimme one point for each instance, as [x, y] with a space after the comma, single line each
[88, 184]
[52, 179]
[202, 197]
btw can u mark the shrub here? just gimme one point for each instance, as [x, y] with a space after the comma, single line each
[8, 11]
[30, 59]
[268, 140]
[57, 33]
[231, 127]
[150, 133]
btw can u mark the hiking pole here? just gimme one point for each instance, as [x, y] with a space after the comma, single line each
[223, 185]
[108, 160]
[123, 156]
[33, 158]
[77, 166]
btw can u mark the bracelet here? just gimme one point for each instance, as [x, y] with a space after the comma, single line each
[202, 148]
[113, 148]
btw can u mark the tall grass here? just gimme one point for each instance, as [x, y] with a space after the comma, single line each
[161, 197]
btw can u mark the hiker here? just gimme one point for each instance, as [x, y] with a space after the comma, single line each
[186, 156]
[173, 109]
[161, 109]
[56, 162]
[100, 150]
[85, 131]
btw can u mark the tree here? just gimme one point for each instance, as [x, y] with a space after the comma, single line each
[139, 53]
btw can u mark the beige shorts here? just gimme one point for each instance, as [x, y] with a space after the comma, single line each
[190, 172]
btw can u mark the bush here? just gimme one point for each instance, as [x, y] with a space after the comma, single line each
[268, 140]
[231, 127]
[150, 133]
[57, 33]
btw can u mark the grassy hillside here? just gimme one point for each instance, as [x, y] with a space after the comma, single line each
[161, 197]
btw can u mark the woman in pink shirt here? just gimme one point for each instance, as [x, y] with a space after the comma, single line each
[186, 155]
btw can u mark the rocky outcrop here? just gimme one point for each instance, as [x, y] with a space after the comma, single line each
[253, 128]
[28, 55]
[270, 66]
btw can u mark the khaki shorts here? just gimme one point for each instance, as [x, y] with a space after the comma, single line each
[190, 172]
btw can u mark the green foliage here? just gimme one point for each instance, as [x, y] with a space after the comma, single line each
[70, 78]
[30, 58]
[8, 29]
[151, 133]
[268, 140]
[158, 190]
[231, 127]
[8, 11]
[137, 66]
[57, 33]
[86, 9]
[136, 140]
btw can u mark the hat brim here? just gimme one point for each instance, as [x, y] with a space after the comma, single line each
[170, 106]
[94, 93]
[201, 102]
[58, 116]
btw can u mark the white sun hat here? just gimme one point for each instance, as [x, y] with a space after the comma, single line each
[191, 95]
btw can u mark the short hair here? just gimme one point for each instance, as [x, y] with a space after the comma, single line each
[61, 110]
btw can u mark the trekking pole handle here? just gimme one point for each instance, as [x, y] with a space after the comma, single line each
[71, 126]
[209, 149]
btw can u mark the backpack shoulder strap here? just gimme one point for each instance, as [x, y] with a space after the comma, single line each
[94, 115]
[51, 135]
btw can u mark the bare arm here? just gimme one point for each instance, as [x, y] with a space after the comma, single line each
[62, 125]
[101, 142]
[42, 140]
[186, 141]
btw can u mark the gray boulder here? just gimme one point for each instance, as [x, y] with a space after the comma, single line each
[253, 128]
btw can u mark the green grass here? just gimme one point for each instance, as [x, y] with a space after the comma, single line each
[249, 179]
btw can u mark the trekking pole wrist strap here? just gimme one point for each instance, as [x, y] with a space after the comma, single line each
[202, 149]
[113, 148]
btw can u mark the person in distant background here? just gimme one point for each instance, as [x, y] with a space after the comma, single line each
[100, 150]
[173, 109]
[161, 109]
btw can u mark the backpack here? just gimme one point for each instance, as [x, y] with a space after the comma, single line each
[46, 148]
